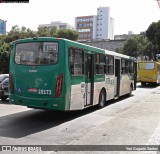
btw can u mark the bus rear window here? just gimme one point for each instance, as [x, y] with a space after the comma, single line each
[36, 53]
[146, 66]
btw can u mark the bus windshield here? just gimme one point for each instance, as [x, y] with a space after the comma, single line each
[36, 53]
[146, 66]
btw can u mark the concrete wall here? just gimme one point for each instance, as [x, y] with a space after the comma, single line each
[106, 44]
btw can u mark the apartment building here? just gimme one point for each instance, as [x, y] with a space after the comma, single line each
[2, 27]
[96, 27]
[85, 26]
[57, 24]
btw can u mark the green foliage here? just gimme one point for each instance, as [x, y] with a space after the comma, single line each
[119, 50]
[130, 47]
[153, 35]
[61, 33]
[23, 32]
[68, 34]
[5, 40]
[139, 47]
[4, 56]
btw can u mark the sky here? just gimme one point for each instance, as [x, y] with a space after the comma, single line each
[129, 15]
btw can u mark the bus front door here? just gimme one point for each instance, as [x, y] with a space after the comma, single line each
[89, 79]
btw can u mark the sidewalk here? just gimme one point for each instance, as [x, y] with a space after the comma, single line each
[139, 125]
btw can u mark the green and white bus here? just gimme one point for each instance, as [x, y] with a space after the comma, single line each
[59, 74]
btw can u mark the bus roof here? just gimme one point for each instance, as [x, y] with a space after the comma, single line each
[113, 53]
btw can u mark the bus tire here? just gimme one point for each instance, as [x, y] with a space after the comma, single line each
[143, 83]
[155, 84]
[3, 98]
[102, 99]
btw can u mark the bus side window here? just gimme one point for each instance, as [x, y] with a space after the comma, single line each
[123, 66]
[131, 67]
[126, 66]
[76, 61]
[100, 64]
[109, 65]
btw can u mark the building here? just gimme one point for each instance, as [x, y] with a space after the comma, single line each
[126, 36]
[86, 27]
[105, 24]
[105, 44]
[118, 42]
[97, 27]
[2, 27]
[57, 24]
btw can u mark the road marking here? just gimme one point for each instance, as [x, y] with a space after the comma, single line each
[154, 140]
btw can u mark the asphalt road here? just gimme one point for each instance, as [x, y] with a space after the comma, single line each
[117, 123]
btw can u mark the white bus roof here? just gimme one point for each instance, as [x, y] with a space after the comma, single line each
[118, 54]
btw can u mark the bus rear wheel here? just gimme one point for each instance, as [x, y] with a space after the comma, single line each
[102, 99]
[143, 83]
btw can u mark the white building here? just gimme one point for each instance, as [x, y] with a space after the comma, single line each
[96, 27]
[57, 24]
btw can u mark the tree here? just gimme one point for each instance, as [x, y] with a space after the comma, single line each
[143, 52]
[153, 35]
[19, 33]
[119, 50]
[5, 40]
[139, 47]
[46, 32]
[68, 34]
[4, 56]
[131, 47]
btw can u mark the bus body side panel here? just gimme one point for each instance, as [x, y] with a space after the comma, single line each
[125, 84]
[110, 86]
[98, 85]
[82, 86]
[77, 97]
[75, 84]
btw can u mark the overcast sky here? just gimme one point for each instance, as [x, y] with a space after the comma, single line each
[129, 15]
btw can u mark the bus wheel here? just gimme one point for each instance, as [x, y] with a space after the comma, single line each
[155, 83]
[102, 99]
[3, 98]
[143, 83]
